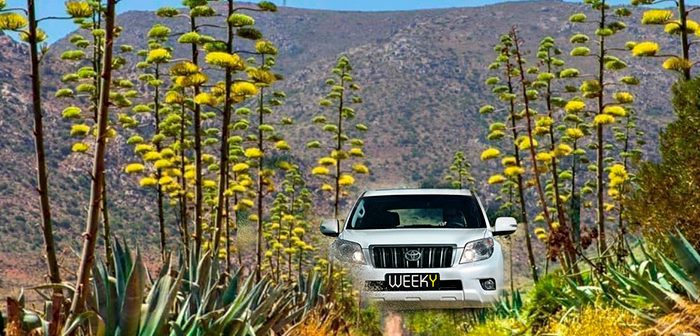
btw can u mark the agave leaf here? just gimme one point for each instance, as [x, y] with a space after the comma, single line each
[64, 286]
[160, 302]
[280, 309]
[580, 295]
[176, 330]
[651, 290]
[231, 291]
[687, 256]
[133, 298]
[106, 297]
[627, 306]
[165, 269]
[202, 271]
[237, 308]
[517, 301]
[681, 277]
[88, 316]
[122, 268]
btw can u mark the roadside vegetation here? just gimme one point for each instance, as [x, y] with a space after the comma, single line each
[237, 211]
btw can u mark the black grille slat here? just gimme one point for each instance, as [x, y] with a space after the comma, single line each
[394, 256]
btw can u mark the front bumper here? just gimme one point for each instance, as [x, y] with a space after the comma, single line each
[472, 295]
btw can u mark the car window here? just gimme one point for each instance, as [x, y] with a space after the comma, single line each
[417, 211]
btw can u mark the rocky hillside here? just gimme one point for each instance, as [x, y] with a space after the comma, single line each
[422, 74]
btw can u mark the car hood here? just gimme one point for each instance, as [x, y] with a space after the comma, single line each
[457, 237]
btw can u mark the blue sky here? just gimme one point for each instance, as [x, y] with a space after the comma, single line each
[58, 29]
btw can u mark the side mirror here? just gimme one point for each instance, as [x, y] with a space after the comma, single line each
[330, 227]
[505, 226]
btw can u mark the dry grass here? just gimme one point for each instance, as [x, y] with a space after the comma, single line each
[685, 321]
[314, 324]
[595, 321]
[322, 322]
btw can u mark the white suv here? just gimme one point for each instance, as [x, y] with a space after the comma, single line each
[422, 248]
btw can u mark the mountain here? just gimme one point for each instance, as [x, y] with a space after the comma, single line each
[422, 74]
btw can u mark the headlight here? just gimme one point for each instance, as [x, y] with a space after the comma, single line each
[347, 251]
[477, 250]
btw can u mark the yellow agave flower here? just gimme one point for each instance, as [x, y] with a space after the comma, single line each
[282, 145]
[346, 180]
[205, 98]
[513, 171]
[357, 152]
[78, 9]
[360, 168]
[165, 180]
[327, 161]
[574, 133]
[614, 193]
[674, 27]
[265, 47]
[244, 89]
[676, 63]
[544, 157]
[80, 147]
[563, 150]
[253, 153]
[152, 156]
[508, 161]
[162, 164]
[320, 170]
[240, 167]
[490, 153]
[656, 16]
[12, 21]
[159, 55]
[195, 79]
[574, 106]
[645, 49]
[246, 203]
[615, 110]
[79, 130]
[526, 143]
[134, 168]
[148, 182]
[624, 97]
[603, 119]
[496, 179]
[225, 60]
[184, 69]
[173, 97]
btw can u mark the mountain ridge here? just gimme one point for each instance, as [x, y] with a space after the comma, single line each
[422, 74]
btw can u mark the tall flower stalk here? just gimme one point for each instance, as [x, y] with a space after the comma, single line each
[513, 165]
[87, 258]
[599, 89]
[33, 36]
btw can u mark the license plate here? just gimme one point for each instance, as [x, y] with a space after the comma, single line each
[412, 281]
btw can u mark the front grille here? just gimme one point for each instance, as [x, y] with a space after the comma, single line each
[395, 256]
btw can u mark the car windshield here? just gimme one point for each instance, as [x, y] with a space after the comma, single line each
[417, 211]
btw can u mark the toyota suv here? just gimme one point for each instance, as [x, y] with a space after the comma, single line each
[422, 248]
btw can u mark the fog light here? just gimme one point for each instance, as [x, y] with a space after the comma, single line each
[488, 284]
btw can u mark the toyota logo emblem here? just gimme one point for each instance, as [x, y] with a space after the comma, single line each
[412, 255]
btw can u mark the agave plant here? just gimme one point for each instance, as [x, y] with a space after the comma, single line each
[658, 284]
[197, 298]
[213, 305]
[120, 305]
